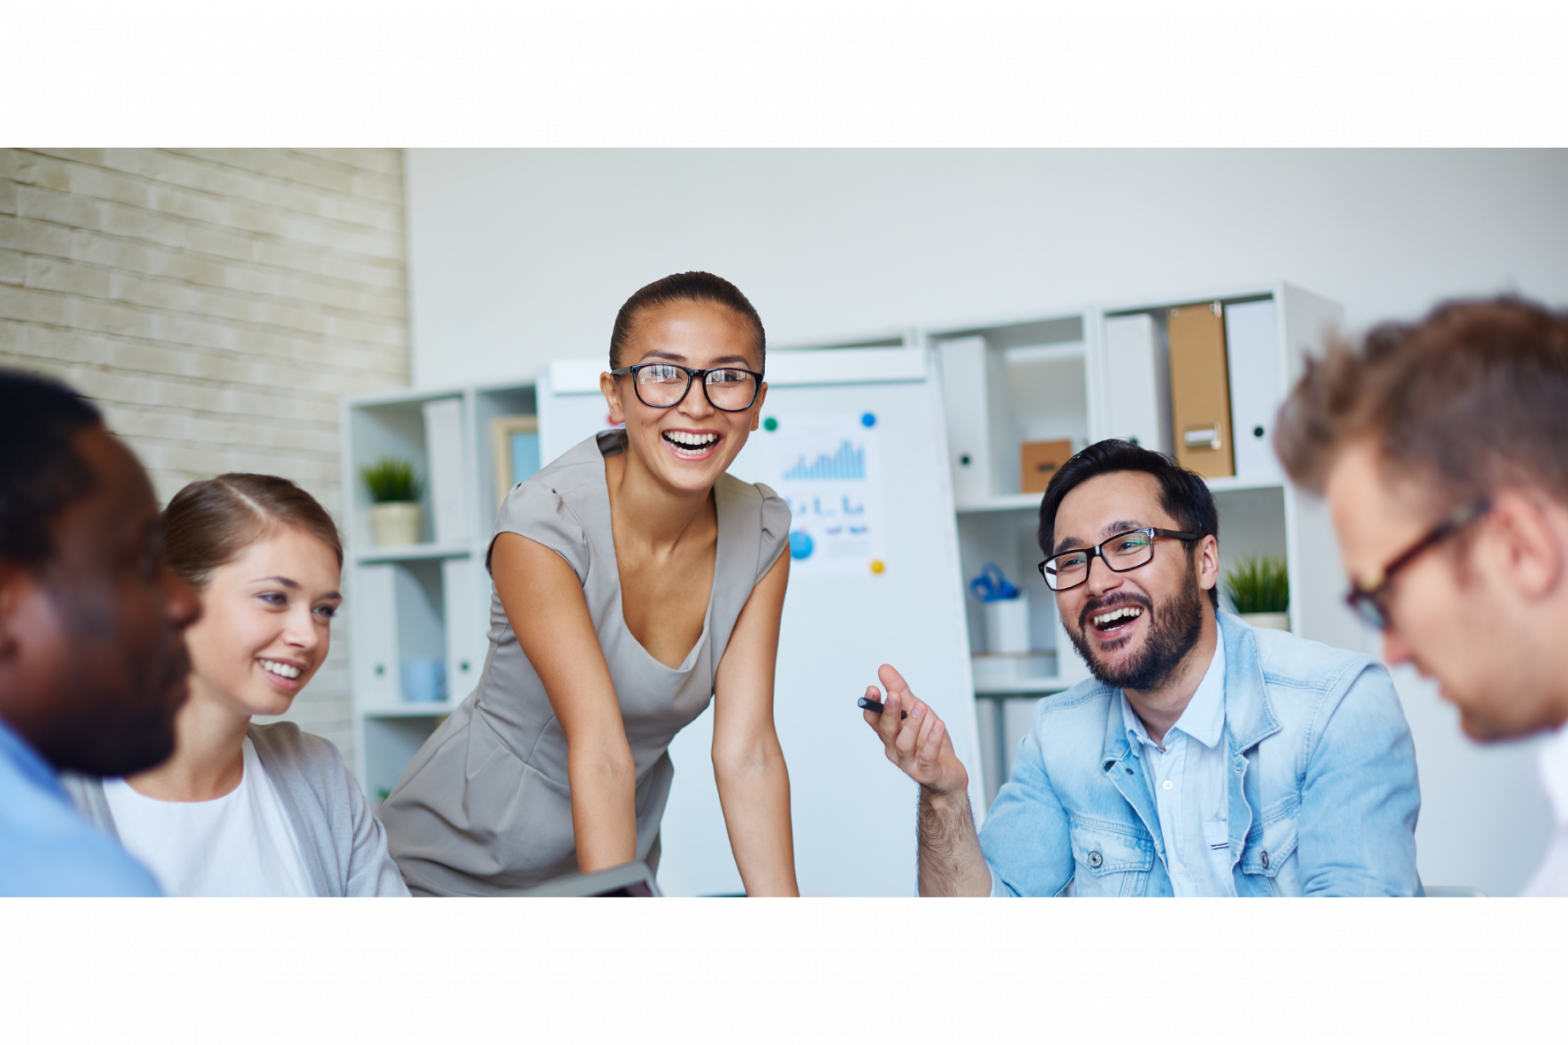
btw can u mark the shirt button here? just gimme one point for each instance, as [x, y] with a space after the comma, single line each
[1166, 785]
[1095, 859]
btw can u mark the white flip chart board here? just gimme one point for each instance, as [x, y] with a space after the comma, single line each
[859, 442]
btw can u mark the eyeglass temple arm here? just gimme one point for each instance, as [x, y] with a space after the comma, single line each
[1463, 517]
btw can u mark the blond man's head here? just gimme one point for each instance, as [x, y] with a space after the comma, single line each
[1442, 449]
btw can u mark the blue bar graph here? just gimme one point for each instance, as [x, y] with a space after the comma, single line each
[848, 462]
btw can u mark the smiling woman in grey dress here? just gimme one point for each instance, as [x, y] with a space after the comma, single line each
[634, 581]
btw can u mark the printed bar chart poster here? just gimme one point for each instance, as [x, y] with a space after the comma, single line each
[828, 469]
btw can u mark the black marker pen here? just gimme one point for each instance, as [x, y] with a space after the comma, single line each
[875, 707]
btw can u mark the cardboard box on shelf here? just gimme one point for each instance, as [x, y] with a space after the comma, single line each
[1039, 461]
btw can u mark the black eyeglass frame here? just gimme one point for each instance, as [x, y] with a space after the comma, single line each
[691, 374]
[1366, 597]
[1099, 549]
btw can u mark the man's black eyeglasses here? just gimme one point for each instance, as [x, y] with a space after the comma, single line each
[663, 385]
[1123, 552]
[1368, 597]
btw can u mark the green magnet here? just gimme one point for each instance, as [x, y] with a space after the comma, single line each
[771, 423]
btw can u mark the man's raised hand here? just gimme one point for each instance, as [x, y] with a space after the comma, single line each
[919, 744]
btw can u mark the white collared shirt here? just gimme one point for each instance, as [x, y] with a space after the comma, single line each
[1551, 878]
[1188, 780]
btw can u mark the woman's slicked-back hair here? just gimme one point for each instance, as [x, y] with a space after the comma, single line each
[684, 286]
[211, 521]
[1183, 494]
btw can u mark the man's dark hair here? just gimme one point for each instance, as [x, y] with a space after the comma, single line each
[685, 286]
[40, 470]
[1183, 494]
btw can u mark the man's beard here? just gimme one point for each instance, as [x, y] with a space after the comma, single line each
[1173, 633]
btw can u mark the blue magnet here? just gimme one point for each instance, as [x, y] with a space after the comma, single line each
[868, 419]
[800, 544]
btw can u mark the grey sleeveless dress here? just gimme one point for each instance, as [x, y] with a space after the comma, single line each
[485, 808]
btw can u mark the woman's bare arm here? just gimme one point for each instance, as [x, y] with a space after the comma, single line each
[544, 602]
[747, 760]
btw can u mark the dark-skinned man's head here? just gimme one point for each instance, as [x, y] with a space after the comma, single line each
[92, 656]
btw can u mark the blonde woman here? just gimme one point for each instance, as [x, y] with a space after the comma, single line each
[241, 809]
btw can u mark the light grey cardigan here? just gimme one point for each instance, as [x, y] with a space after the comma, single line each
[343, 844]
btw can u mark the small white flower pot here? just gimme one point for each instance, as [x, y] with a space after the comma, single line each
[395, 523]
[1277, 621]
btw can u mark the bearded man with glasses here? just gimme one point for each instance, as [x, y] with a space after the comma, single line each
[1204, 758]
[1442, 449]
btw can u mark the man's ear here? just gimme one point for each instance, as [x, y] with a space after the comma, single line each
[1525, 544]
[1208, 552]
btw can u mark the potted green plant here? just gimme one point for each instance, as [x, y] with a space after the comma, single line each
[1259, 589]
[394, 493]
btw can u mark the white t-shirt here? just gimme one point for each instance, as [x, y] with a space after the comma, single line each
[237, 845]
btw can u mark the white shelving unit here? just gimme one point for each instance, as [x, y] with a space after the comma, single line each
[1004, 383]
[425, 600]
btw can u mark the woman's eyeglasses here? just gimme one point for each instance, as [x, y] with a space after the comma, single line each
[663, 385]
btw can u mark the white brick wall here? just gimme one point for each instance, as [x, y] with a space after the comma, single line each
[216, 303]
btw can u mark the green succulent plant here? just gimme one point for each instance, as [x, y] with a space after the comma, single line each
[392, 479]
[1258, 584]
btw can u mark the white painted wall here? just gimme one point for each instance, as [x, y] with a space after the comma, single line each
[520, 257]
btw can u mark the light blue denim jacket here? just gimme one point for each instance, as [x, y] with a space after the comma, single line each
[1323, 797]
